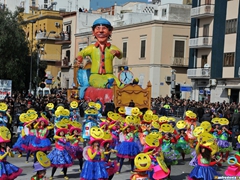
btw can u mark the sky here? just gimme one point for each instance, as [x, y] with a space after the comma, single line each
[95, 4]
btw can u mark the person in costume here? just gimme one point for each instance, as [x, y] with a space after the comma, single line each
[102, 54]
[29, 138]
[234, 162]
[182, 140]
[94, 167]
[40, 167]
[18, 145]
[190, 120]
[7, 171]
[111, 166]
[224, 145]
[3, 119]
[41, 142]
[204, 168]
[59, 157]
[216, 131]
[143, 164]
[127, 148]
[74, 149]
[74, 114]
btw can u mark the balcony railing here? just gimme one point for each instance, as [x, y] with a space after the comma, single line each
[202, 11]
[44, 35]
[202, 73]
[178, 61]
[64, 39]
[201, 42]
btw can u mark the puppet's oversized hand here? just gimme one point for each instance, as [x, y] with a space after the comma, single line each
[79, 61]
[115, 52]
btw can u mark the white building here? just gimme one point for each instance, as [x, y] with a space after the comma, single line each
[57, 5]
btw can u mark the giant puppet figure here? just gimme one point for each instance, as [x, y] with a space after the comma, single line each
[101, 54]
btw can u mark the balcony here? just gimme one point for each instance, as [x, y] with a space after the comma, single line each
[202, 11]
[199, 73]
[47, 35]
[201, 42]
[178, 61]
[64, 39]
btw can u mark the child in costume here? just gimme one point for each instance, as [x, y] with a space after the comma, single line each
[234, 162]
[190, 120]
[3, 117]
[41, 166]
[204, 169]
[74, 149]
[59, 157]
[41, 142]
[224, 145]
[216, 132]
[141, 171]
[7, 171]
[94, 167]
[128, 148]
[182, 140]
[18, 145]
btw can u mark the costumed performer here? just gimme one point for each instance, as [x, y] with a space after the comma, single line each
[3, 117]
[7, 171]
[94, 166]
[205, 149]
[102, 54]
[127, 148]
[40, 167]
[18, 145]
[59, 157]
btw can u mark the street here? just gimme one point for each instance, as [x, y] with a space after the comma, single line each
[179, 172]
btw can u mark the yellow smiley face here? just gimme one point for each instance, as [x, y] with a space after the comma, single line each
[238, 138]
[96, 132]
[32, 115]
[142, 161]
[215, 120]
[65, 112]
[43, 159]
[188, 113]
[50, 105]
[206, 138]
[122, 110]
[74, 104]
[130, 120]
[163, 119]
[24, 117]
[198, 131]
[58, 113]
[98, 106]
[61, 124]
[147, 118]
[171, 119]
[206, 125]
[181, 124]
[91, 104]
[5, 133]
[192, 115]
[150, 112]
[158, 135]
[155, 117]
[135, 111]
[76, 124]
[3, 106]
[107, 136]
[155, 124]
[109, 113]
[223, 121]
[60, 108]
[114, 116]
[65, 121]
[152, 140]
[137, 120]
[166, 128]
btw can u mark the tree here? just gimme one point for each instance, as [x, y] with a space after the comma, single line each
[14, 50]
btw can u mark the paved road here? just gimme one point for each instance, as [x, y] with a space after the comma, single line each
[179, 172]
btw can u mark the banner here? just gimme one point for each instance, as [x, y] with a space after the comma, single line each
[5, 88]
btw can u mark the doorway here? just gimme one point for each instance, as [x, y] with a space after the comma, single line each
[234, 96]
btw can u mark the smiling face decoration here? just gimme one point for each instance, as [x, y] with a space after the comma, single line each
[142, 161]
[43, 159]
[96, 132]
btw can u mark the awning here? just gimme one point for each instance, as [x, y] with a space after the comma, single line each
[230, 87]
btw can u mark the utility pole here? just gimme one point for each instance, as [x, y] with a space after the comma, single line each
[173, 82]
[30, 81]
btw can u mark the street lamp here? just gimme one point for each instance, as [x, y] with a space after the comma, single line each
[39, 56]
[30, 82]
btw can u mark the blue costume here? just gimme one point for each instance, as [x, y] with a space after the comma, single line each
[8, 171]
[59, 157]
[3, 121]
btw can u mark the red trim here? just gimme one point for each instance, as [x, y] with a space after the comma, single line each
[61, 165]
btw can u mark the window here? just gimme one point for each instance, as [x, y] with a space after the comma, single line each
[205, 30]
[45, 1]
[208, 2]
[68, 55]
[231, 26]
[33, 3]
[228, 59]
[164, 12]
[204, 61]
[155, 12]
[45, 6]
[124, 49]
[179, 49]
[143, 48]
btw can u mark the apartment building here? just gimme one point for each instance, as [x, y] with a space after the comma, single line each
[214, 50]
